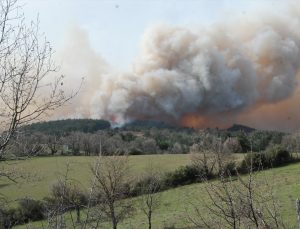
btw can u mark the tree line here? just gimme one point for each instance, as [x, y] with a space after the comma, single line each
[144, 141]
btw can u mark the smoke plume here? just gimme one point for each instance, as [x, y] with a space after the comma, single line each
[230, 72]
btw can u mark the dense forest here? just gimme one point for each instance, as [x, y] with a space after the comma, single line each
[68, 125]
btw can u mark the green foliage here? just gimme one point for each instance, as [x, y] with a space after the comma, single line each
[32, 210]
[128, 137]
[146, 124]
[262, 139]
[147, 181]
[184, 175]
[240, 128]
[230, 168]
[163, 144]
[135, 151]
[272, 157]
[277, 155]
[244, 142]
[253, 160]
[27, 210]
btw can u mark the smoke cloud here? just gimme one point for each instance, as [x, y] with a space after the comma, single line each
[235, 71]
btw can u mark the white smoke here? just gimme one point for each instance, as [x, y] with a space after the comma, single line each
[226, 69]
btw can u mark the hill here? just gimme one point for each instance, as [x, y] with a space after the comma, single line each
[68, 125]
[238, 127]
[93, 125]
[146, 124]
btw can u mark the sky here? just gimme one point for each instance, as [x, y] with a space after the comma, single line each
[196, 63]
[115, 28]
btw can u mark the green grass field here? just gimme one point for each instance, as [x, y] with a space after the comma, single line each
[41, 173]
[285, 183]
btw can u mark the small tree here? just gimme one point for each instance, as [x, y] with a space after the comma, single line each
[65, 196]
[208, 155]
[232, 145]
[150, 199]
[53, 143]
[111, 186]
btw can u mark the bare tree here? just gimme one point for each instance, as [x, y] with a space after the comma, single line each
[208, 155]
[65, 196]
[232, 145]
[53, 143]
[28, 85]
[86, 143]
[291, 142]
[26, 145]
[73, 141]
[111, 186]
[150, 187]
[241, 202]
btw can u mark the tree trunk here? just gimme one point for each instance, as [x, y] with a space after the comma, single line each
[298, 211]
[113, 217]
[114, 223]
[149, 220]
[78, 214]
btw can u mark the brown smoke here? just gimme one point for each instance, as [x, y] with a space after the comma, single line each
[242, 71]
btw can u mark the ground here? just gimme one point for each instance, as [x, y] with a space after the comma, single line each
[40, 173]
[285, 182]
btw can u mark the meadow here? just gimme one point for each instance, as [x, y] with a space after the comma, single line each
[176, 203]
[39, 173]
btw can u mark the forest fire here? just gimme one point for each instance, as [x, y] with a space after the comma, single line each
[200, 77]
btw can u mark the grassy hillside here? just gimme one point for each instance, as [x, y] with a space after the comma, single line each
[175, 203]
[41, 172]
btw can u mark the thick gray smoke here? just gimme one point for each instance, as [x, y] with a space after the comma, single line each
[182, 72]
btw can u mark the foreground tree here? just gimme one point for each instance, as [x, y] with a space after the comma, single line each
[238, 202]
[27, 88]
[150, 187]
[111, 186]
[65, 197]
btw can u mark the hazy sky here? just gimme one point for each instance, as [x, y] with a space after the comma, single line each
[115, 27]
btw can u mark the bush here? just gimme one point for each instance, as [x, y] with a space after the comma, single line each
[277, 155]
[27, 210]
[272, 157]
[32, 210]
[230, 168]
[135, 151]
[11, 217]
[163, 144]
[146, 181]
[184, 175]
[254, 160]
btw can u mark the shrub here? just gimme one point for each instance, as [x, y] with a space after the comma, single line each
[254, 160]
[31, 209]
[230, 168]
[277, 155]
[146, 181]
[272, 157]
[11, 217]
[184, 175]
[232, 145]
[163, 144]
[135, 151]
[27, 210]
